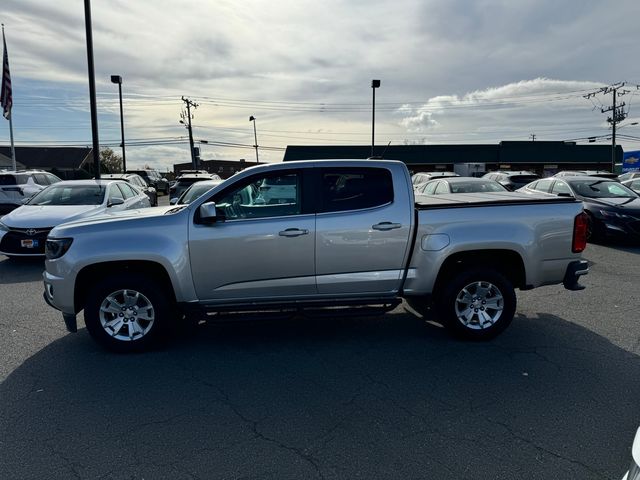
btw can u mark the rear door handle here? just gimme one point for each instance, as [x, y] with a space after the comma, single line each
[293, 232]
[386, 226]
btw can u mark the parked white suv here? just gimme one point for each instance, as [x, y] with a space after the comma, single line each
[17, 186]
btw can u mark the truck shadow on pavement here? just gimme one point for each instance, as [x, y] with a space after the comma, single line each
[20, 270]
[384, 397]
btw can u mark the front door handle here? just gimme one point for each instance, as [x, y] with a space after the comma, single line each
[293, 232]
[386, 226]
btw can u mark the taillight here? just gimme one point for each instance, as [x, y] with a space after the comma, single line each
[580, 233]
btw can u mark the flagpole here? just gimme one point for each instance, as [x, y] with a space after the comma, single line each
[13, 149]
[7, 97]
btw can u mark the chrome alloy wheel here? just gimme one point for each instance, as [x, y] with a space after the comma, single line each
[479, 305]
[126, 315]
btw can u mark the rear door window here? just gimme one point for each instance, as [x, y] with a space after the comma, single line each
[429, 188]
[126, 190]
[442, 187]
[40, 179]
[543, 185]
[344, 189]
[561, 187]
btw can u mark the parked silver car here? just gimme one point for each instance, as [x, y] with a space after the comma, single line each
[23, 232]
[459, 185]
[18, 186]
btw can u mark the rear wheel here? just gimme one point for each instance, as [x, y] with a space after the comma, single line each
[594, 230]
[128, 313]
[477, 304]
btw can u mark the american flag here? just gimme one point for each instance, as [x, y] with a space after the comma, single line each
[6, 97]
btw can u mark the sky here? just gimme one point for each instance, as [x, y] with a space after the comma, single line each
[451, 71]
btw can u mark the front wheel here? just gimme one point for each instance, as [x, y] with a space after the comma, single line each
[127, 313]
[477, 304]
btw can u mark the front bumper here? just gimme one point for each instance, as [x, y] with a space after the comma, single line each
[70, 320]
[59, 292]
[575, 270]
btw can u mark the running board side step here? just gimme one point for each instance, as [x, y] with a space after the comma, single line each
[313, 309]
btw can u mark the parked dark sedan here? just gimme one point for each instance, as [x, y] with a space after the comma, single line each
[612, 208]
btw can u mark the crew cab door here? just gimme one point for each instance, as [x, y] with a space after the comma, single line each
[261, 246]
[362, 230]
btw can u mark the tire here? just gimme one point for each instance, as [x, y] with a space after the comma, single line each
[113, 298]
[477, 304]
[594, 230]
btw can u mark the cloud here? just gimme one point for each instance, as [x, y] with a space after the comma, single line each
[465, 70]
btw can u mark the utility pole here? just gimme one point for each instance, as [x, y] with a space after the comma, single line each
[374, 84]
[188, 126]
[618, 113]
[92, 89]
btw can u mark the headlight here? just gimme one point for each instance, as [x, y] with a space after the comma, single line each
[56, 247]
[3, 227]
[610, 214]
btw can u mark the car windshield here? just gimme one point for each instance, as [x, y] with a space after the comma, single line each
[194, 192]
[69, 195]
[475, 187]
[601, 189]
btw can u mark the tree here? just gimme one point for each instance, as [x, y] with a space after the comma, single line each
[110, 160]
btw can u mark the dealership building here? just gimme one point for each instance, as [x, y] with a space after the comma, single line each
[543, 158]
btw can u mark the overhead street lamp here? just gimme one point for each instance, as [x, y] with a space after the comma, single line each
[374, 84]
[255, 136]
[118, 79]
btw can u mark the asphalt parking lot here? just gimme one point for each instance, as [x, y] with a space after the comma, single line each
[556, 396]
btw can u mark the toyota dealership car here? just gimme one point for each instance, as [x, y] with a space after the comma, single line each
[23, 232]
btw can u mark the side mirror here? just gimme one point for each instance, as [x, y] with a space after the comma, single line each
[115, 201]
[173, 201]
[565, 194]
[208, 212]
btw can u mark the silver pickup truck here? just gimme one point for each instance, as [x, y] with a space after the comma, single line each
[317, 237]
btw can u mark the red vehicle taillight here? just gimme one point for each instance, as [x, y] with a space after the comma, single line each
[580, 233]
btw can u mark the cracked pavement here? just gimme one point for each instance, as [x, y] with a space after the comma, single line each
[556, 396]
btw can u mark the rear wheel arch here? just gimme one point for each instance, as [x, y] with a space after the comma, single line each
[508, 263]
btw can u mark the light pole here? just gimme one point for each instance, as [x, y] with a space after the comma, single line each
[374, 84]
[118, 79]
[255, 136]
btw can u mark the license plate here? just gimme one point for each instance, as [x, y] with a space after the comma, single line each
[29, 243]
